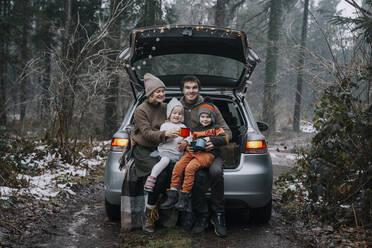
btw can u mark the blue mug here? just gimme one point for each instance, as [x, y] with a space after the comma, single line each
[198, 144]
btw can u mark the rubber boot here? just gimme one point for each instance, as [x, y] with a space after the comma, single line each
[218, 221]
[201, 223]
[183, 201]
[172, 196]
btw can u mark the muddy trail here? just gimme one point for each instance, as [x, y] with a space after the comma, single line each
[82, 223]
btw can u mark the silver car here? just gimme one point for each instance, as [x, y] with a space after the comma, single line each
[223, 61]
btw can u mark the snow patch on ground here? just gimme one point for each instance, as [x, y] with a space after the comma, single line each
[307, 127]
[282, 158]
[54, 179]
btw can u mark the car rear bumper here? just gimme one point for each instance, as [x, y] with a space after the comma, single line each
[113, 179]
[248, 185]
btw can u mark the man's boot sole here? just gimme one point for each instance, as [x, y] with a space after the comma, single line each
[215, 230]
[148, 232]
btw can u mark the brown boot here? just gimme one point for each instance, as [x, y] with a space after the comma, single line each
[148, 222]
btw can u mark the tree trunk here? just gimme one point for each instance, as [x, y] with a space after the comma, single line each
[272, 55]
[24, 58]
[110, 122]
[45, 82]
[150, 14]
[300, 70]
[66, 94]
[111, 98]
[220, 13]
[369, 80]
[5, 4]
[43, 29]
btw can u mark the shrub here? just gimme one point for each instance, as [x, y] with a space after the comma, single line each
[337, 170]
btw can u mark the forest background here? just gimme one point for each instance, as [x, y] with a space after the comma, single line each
[60, 72]
[61, 83]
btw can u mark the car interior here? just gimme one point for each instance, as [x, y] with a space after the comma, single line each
[233, 117]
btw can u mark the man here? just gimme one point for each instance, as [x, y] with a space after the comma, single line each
[190, 87]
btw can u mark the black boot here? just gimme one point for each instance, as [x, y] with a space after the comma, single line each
[186, 220]
[218, 221]
[201, 224]
[172, 196]
[183, 201]
[148, 222]
[187, 217]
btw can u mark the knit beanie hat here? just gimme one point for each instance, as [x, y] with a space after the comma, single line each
[171, 105]
[207, 108]
[152, 83]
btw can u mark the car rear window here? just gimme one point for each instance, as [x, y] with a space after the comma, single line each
[192, 64]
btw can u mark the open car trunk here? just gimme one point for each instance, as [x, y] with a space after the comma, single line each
[233, 117]
[237, 123]
[221, 57]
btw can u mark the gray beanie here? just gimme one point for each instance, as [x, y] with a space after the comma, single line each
[172, 104]
[152, 83]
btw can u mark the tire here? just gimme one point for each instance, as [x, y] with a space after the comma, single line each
[112, 211]
[261, 215]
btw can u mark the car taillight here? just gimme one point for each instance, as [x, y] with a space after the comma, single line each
[119, 144]
[255, 147]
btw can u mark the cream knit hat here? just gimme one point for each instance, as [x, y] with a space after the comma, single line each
[152, 83]
[172, 104]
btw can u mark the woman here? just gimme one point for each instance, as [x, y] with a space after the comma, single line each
[148, 118]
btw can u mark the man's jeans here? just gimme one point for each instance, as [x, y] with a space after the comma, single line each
[209, 178]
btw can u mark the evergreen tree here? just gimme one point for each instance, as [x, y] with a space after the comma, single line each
[300, 69]
[272, 55]
[150, 13]
[5, 8]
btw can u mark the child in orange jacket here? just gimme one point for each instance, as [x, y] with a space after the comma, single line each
[191, 162]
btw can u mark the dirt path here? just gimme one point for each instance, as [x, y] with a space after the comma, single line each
[83, 223]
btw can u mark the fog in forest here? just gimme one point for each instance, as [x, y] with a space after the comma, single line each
[60, 71]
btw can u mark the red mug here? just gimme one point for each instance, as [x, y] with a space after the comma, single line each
[184, 132]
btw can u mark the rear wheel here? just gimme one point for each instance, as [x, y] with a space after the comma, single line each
[261, 215]
[112, 211]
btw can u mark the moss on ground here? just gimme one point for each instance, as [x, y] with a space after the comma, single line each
[162, 238]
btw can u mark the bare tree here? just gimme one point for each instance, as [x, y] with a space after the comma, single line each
[113, 42]
[71, 63]
[300, 70]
